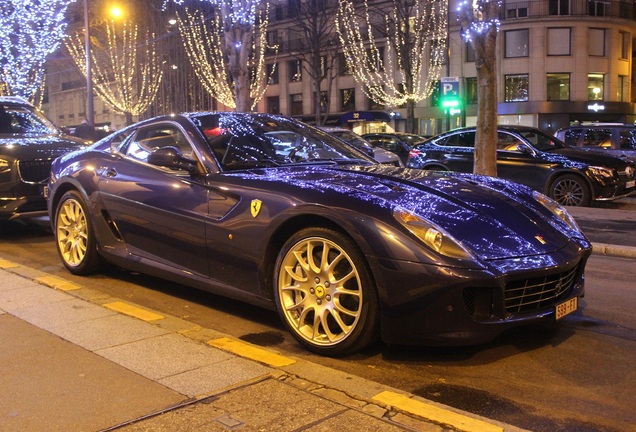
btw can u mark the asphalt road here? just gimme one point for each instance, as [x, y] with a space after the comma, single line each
[577, 377]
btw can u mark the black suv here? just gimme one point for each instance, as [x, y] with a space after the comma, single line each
[610, 138]
[28, 144]
[532, 157]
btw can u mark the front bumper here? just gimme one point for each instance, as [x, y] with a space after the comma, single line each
[429, 305]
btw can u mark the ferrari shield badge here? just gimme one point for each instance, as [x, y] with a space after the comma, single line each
[255, 207]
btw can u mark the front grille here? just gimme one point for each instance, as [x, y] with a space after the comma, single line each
[34, 171]
[537, 293]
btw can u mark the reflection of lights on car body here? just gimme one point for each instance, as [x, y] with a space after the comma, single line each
[345, 249]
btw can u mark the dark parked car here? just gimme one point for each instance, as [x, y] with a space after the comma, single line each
[609, 138]
[28, 144]
[344, 248]
[396, 142]
[532, 157]
[378, 153]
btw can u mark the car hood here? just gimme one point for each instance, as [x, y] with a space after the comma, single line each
[383, 156]
[491, 217]
[41, 147]
[590, 158]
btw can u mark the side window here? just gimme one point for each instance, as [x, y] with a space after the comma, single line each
[507, 142]
[597, 138]
[571, 137]
[150, 139]
[627, 139]
[465, 139]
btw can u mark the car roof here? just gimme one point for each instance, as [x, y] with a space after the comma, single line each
[15, 99]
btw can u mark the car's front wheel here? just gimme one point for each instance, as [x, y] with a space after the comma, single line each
[325, 293]
[74, 235]
[570, 190]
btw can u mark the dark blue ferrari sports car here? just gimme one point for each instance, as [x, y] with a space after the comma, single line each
[273, 212]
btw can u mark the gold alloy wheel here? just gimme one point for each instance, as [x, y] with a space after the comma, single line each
[320, 291]
[72, 232]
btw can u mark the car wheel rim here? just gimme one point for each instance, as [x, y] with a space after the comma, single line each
[72, 232]
[568, 192]
[320, 291]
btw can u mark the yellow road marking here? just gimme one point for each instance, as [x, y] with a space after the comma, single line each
[4, 264]
[57, 283]
[251, 352]
[436, 414]
[134, 311]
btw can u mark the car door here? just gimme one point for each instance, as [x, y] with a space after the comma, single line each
[457, 151]
[517, 161]
[160, 212]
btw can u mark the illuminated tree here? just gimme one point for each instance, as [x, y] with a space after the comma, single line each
[313, 41]
[126, 68]
[31, 30]
[227, 51]
[479, 22]
[413, 34]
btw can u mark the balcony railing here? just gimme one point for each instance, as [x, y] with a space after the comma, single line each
[578, 8]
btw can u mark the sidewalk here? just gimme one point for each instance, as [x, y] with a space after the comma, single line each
[73, 359]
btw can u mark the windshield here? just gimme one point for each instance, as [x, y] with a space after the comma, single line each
[540, 140]
[240, 141]
[24, 120]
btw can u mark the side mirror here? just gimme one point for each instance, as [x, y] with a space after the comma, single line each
[171, 157]
[525, 149]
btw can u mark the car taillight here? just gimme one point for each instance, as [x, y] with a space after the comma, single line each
[414, 152]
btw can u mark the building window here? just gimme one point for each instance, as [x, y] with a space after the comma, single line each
[516, 42]
[343, 66]
[559, 42]
[598, 7]
[595, 86]
[273, 105]
[516, 88]
[324, 101]
[438, 51]
[558, 86]
[624, 45]
[272, 73]
[373, 105]
[296, 103]
[347, 99]
[470, 52]
[295, 68]
[623, 88]
[516, 10]
[596, 42]
[559, 7]
[272, 41]
[471, 90]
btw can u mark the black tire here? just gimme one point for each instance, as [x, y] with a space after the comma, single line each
[74, 235]
[328, 303]
[570, 190]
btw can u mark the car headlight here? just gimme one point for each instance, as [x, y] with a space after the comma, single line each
[432, 236]
[601, 172]
[556, 209]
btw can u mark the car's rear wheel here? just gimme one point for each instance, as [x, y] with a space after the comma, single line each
[74, 235]
[570, 190]
[324, 292]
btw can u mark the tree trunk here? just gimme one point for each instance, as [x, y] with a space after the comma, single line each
[410, 116]
[129, 118]
[486, 136]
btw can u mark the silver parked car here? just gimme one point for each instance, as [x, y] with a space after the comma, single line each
[378, 153]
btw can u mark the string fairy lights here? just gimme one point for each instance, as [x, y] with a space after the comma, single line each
[227, 51]
[414, 37]
[480, 16]
[31, 30]
[127, 71]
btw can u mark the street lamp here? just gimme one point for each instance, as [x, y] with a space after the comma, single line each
[90, 110]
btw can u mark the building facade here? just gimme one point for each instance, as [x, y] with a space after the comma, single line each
[559, 62]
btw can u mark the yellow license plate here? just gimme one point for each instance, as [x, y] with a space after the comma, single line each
[566, 308]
